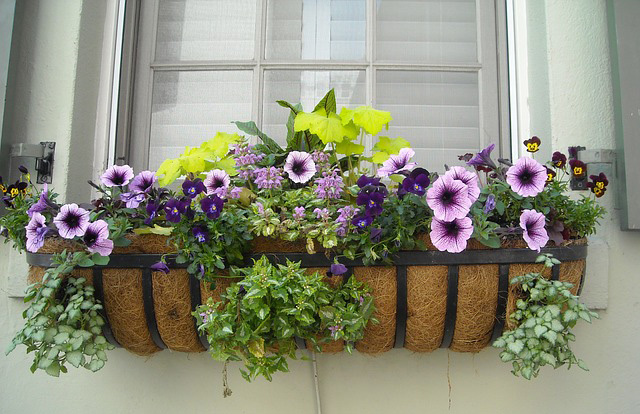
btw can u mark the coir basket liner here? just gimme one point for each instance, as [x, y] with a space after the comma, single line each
[427, 300]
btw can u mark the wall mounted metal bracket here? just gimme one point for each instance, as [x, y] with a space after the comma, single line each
[43, 154]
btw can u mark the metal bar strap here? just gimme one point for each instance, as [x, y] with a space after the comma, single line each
[300, 343]
[501, 305]
[582, 278]
[149, 310]
[452, 307]
[196, 300]
[555, 272]
[401, 306]
[99, 294]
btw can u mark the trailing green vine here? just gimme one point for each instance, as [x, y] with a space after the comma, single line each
[544, 317]
[63, 323]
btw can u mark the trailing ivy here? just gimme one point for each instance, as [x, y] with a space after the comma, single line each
[544, 317]
[63, 323]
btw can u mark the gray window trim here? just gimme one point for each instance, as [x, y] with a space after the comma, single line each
[138, 67]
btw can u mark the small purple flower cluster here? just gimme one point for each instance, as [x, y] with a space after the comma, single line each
[298, 213]
[329, 186]
[268, 177]
[246, 159]
[345, 215]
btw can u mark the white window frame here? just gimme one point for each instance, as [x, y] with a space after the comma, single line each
[134, 115]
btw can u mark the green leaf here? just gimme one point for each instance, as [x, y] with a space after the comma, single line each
[549, 358]
[349, 148]
[100, 260]
[61, 338]
[256, 347]
[328, 103]
[539, 330]
[75, 358]
[85, 262]
[569, 315]
[552, 336]
[584, 315]
[516, 346]
[121, 242]
[251, 128]
[328, 127]
[53, 369]
[493, 241]
[371, 120]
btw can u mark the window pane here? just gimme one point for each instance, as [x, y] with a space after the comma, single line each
[310, 29]
[206, 30]
[190, 107]
[437, 112]
[426, 31]
[307, 87]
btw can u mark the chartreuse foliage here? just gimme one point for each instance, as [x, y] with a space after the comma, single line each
[258, 318]
[544, 318]
[63, 323]
[195, 160]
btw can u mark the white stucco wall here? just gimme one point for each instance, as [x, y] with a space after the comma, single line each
[579, 103]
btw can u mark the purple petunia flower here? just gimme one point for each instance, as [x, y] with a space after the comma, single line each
[212, 206]
[490, 204]
[174, 209]
[397, 163]
[200, 233]
[329, 186]
[43, 202]
[533, 222]
[467, 177]
[117, 175]
[270, 177]
[217, 182]
[298, 213]
[362, 222]
[372, 202]
[451, 236]
[482, 160]
[338, 269]
[300, 166]
[417, 182]
[160, 267]
[143, 182]
[36, 231]
[96, 238]
[71, 221]
[527, 177]
[449, 198]
[132, 199]
[192, 188]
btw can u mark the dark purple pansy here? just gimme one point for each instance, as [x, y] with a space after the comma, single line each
[36, 231]
[152, 210]
[192, 188]
[96, 238]
[449, 198]
[338, 269]
[212, 206]
[558, 159]
[372, 202]
[578, 168]
[174, 209]
[143, 182]
[200, 233]
[482, 160]
[527, 177]
[117, 175]
[533, 224]
[598, 184]
[14, 190]
[550, 176]
[71, 221]
[300, 166]
[532, 144]
[397, 163]
[375, 234]
[364, 181]
[23, 169]
[451, 236]
[417, 182]
[362, 222]
[160, 267]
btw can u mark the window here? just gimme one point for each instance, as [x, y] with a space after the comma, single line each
[201, 64]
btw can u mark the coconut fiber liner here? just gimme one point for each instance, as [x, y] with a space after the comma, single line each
[426, 301]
